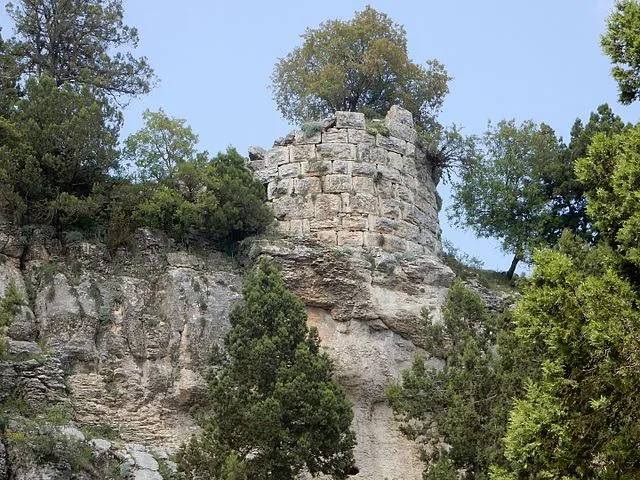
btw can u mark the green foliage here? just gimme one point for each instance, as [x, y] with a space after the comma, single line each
[622, 43]
[611, 175]
[500, 194]
[580, 418]
[274, 408]
[311, 128]
[80, 42]
[160, 146]
[566, 194]
[219, 199]
[357, 65]
[10, 304]
[459, 412]
[64, 142]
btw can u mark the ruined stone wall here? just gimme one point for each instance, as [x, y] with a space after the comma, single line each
[353, 183]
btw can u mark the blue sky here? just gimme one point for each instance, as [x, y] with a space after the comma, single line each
[524, 59]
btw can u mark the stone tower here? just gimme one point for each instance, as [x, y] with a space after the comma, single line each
[350, 182]
[356, 209]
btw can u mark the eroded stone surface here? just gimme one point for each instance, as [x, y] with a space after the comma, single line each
[314, 175]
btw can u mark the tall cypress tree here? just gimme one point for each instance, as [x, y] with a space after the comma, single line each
[274, 408]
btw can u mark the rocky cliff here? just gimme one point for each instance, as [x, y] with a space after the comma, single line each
[123, 338]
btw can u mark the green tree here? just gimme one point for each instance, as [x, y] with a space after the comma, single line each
[580, 419]
[161, 145]
[611, 175]
[459, 412]
[565, 193]
[357, 65]
[217, 198]
[81, 42]
[274, 409]
[622, 43]
[500, 193]
[59, 142]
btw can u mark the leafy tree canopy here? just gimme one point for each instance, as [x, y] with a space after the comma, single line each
[57, 141]
[622, 43]
[161, 145]
[80, 42]
[459, 412]
[274, 408]
[500, 194]
[357, 65]
[580, 419]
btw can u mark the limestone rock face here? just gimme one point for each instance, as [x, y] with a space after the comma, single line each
[126, 339]
[359, 243]
[366, 305]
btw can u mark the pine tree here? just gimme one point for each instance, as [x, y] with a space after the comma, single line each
[274, 409]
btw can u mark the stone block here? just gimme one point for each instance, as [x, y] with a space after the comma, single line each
[336, 184]
[360, 137]
[288, 208]
[398, 114]
[280, 226]
[414, 215]
[327, 206]
[393, 144]
[401, 130]
[393, 243]
[408, 231]
[363, 185]
[316, 167]
[389, 173]
[383, 225]
[336, 151]
[329, 223]
[350, 238]
[303, 153]
[350, 120]
[301, 138]
[296, 227]
[391, 208]
[363, 169]
[413, 247]
[306, 185]
[363, 203]
[396, 161]
[257, 165]
[277, 156]
[342, 166]
[373, 155]
[289, 170]
[334, 135]
[279, 188]
[267, 174]
[346, 203]
[384, 188]
[327, 236]
[404, 193]
[355, 223]
[411, 150]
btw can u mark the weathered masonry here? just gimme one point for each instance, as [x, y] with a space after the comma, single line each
[350, 182]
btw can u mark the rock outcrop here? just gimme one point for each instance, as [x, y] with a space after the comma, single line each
[123, 338]
[356, 211]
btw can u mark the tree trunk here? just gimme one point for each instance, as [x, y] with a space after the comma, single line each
[514, 263]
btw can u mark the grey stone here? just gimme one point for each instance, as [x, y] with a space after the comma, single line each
[350, 120]
[100, 445]
[72, 432]
[147, 475]
[257, 153]
[144, 460]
